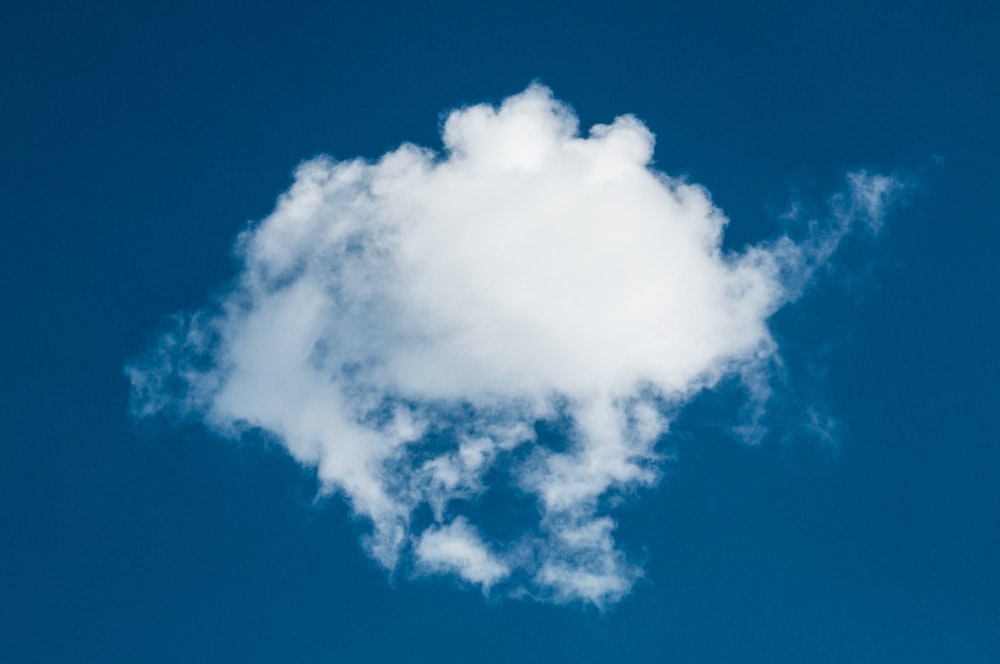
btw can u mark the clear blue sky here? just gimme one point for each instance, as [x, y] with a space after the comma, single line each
[137, 140]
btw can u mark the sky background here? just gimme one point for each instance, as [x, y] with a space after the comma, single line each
[139, 138]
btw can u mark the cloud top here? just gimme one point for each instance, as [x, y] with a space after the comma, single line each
[405, 326]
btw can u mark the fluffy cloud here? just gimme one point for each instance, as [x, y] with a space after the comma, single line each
[406, 325]
[457, 548]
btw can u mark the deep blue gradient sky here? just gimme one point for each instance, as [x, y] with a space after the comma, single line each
[136, 141]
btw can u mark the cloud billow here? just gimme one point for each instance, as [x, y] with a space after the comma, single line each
[404, 325]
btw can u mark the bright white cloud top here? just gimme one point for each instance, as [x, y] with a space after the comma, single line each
[403, 325]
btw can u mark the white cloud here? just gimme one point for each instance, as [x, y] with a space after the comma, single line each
[457, 548]
[403, 324]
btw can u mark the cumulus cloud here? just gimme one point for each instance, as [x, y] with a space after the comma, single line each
[406, 325]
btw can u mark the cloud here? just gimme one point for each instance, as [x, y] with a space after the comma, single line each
[458, 548]
[407, 325]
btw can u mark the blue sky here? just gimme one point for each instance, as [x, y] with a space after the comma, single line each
[858, 523]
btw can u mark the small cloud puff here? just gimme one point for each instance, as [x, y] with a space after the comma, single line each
[457, 548]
